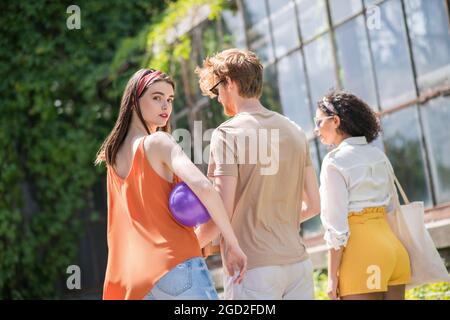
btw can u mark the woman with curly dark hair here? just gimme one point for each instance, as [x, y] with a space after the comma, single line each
[366, 260]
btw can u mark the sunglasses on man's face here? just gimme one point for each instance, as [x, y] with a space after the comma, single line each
[214, 89]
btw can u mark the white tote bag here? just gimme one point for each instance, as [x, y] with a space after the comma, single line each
[408, 224]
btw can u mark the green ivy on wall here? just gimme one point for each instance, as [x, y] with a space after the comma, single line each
[159, 40]
[60, 91]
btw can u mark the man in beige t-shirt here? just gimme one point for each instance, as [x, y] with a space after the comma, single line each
[260, 164]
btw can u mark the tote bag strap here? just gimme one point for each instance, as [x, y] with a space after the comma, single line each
[396, 184]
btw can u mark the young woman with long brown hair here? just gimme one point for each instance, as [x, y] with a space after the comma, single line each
[151, 255]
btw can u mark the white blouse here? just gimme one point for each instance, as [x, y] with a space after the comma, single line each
[354, 176]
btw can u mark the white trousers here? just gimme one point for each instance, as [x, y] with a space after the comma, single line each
[282, 282]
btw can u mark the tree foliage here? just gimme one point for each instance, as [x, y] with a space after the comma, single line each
[60, 92]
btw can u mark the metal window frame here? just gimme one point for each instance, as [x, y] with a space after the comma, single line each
[421, 97]
[419, 101]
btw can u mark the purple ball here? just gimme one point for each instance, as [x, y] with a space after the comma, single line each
[186, 207]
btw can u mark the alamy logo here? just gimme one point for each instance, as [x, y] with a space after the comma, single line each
[374, 279]
[74, 20]
[235, 146]
[74, 280]
[373, 18]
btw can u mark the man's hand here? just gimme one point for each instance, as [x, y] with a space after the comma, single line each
[236, 260]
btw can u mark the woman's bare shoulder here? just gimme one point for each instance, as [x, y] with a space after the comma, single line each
[159, 144]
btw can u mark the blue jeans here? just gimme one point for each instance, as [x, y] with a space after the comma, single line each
[190, 280]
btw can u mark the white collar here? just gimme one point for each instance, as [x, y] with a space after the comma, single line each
[353, 141]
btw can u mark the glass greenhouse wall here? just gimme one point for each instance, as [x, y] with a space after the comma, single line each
[394, 54]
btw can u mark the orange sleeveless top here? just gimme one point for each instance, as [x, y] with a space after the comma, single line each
[144, 240]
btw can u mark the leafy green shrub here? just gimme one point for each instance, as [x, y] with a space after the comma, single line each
[58, 102]
[434, 291]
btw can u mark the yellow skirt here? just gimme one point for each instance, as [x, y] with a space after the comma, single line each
[374, 258]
